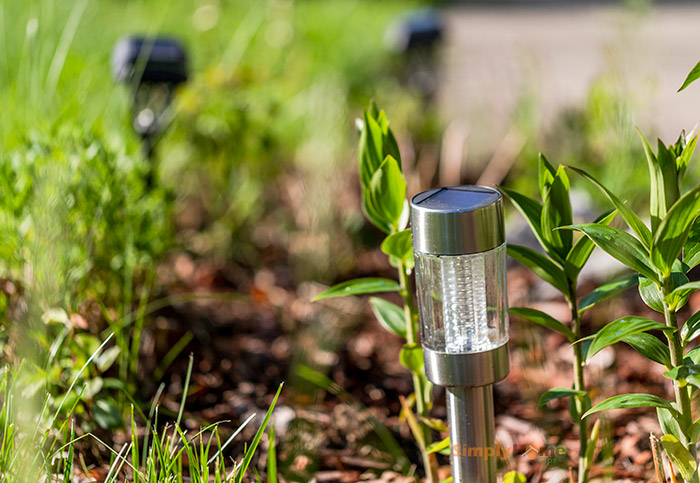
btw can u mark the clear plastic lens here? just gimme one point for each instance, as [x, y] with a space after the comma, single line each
[462, 301]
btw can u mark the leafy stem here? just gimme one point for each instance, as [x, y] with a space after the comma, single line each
[579, 384]
[676, 350]
[419, 380]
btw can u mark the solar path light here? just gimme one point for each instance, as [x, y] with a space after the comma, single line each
[153, 68]
[460, 253]
[415, 37]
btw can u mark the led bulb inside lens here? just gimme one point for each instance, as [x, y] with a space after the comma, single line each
[464, 304]
[462, 301]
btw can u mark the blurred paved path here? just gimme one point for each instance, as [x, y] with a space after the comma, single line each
[493, 54]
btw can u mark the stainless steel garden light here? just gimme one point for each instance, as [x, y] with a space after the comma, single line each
[460, 253]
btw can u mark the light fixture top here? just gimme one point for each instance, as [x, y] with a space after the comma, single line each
[457, 220]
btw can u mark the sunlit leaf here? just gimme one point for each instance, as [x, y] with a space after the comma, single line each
[545, 320]
[650, 347]
[399, 245]
[630, 217]
[360, 286]
[693, 75]
[542, 266]
[633, 400]
[411, 357]
[607, 290]
[691, 329]
[390, 315]
[620, 245]
[581, 252]
[673, 231]
[557, 393]
[680, 456]
[620, 329]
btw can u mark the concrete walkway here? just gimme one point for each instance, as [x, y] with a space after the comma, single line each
[495, 57]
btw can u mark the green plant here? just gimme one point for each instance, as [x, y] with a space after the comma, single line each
[661, 256]
[35, 442]
[561, 267]
[385, 205]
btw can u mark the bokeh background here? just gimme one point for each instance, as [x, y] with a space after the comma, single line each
[254, 207]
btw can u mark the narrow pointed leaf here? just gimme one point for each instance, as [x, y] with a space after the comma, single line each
[390, 315]
[532, 212]
[673, 231]
[650, 294]
[620, 245]
[681, 457]
[634, 400]
[542, 266]
[556, 393]
[360, 286]
[556, 212]
[632, 220]
[693, 75]
[650, 347]
[581, 252]
[691, 250]
[620, 330]
[545, 320]
[607, 290]
[657, 202]
[691, 329]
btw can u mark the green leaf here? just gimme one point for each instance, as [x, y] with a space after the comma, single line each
[673, 231]
[686, 154]
[592, 443]
[691, 250]
[411, 357]
[532, 211]
[621, 246]
[693, 75]
[680, 456]
[371, 152]
[650, 347]
[391, 316]
[581, 252]
[374, 216]
[634, 222]
[360, 286]
[668, 424]
[442, 447]
[106, 414]
[691, 329]
[650, 294]
[542, 266]
[621, 329]
[387, 192]
[623, 401]
[399, 245]
[556, 393]
[546, 175]
[545, 320]
[657, 203]
[680, 293]
[689, 373]
[556, 212]
[607, 290]
[514, 477]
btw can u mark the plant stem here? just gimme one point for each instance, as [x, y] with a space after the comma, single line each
[579, 385]
[422, 400]
[676, 349]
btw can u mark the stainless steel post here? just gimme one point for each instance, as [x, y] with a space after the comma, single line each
[459, 248]
[470, 412]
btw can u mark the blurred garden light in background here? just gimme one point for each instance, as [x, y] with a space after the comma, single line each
[416, 37]
[152, 68]
[460, 253]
